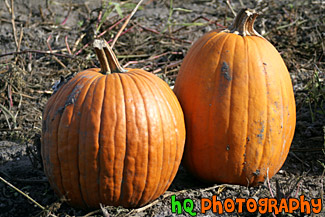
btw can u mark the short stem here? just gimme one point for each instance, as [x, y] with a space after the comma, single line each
[108, 61]
[244, 23]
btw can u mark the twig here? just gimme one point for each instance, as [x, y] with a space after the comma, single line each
[39, 52]
[297, 189]
[241, 3]
[105, 212]
[12, 11]
[11, 104]
[59, 61]
[289, 192]
[198, 18]
[269, 185]
[163, 35]
[307, 149]
[122, 33]
[19, 42]
[301, 161]
[151, 58]
[167, 194]
[125, 23]
[268, 182]
[48, 43]
[77, 42]
[13, 117]
[231, 8]
[66, 19]
[67, 45]
[79, 51]
[28, 197]
[92, 213]
[111, 27]
[216, 186]
[171, 65]
[99, 18]
[322, 180]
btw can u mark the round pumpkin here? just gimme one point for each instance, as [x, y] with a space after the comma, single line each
[112, 136]
[238, 103]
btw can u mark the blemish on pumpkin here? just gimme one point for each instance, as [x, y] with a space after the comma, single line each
[260, 135]
[73, 96]
[265, 64]
[248, 139]
[228, 147]
[225, 71]
[60, 110]
[244, 163]
[256, 173]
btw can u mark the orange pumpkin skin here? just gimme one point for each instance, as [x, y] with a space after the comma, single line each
[113, 139]
[239, 108]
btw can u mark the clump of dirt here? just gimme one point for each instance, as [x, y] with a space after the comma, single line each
[52, 41]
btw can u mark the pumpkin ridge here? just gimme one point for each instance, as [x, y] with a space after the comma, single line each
[141, 76]
[282, 111]
[173, 118]
[134, 78]
[63, 131]
[108, 181]
[189, 58]
[266, 129]
[284, 118]
[85, 156]
[247, 113]
[124, 186]
[211, 113]
[178, 145]
[211, 39]
[146, 81]
[126, 142]
[249, 108]
[231, 71]
[76, 120]
[45, 132]
[60, 152]
[117, 182]
[150, 81]
[229, 155]
[53, 112]
[99, 140]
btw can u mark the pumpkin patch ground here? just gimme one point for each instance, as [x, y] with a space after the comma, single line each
[52, 41]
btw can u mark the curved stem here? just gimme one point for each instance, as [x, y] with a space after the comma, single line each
[244, 23]
[108, 61]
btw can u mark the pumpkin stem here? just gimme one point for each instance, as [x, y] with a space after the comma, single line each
[108, 61]
[244, 23]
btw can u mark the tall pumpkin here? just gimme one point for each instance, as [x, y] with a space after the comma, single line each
[238, 103]
[113, 136]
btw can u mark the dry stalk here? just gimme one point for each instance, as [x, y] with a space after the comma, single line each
[28, 197]
[126, 23]
[167, 194]
[12, 12]
[231, 8]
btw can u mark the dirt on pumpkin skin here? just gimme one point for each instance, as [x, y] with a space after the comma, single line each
[156, 39]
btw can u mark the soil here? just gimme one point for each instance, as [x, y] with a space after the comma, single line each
[156, 39]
